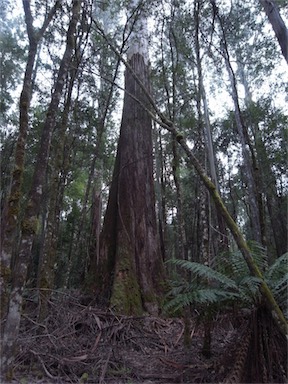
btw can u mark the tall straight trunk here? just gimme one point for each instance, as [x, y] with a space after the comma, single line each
[245, 145]
[160, 190]
[278, 25]
[45, 278]
[222, 243]
[181, 234]
[130, 260]
[94, 240]
[276, 206]
[181, 247]
[10, 219]
[30, 222]
[256, 164]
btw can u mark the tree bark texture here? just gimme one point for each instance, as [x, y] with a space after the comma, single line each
[130, 248]
[278, 25]
[30, 222]
[10, 219]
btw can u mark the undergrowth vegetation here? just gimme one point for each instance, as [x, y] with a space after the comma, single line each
[228, 283]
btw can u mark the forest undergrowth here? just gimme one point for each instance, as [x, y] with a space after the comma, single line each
[79, 342]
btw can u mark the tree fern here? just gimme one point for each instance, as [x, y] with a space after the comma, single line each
[205, 272]
[231, 283]
[277, 279]
[200, 297]
[278, 268]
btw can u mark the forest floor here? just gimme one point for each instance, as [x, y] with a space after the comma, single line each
[82, 343]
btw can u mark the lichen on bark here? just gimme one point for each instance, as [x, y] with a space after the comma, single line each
[30, 225]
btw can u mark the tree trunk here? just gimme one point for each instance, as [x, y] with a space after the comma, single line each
[222, 239]
[160, 191]
[47, 260]
[11, 209]
[130, 260]
[181, 234]
[247, 161]
[30, 222]
[256, 166]
[278, 25]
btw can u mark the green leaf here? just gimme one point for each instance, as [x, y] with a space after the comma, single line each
[205, 272]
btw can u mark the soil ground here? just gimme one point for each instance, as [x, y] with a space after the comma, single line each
[82, 343]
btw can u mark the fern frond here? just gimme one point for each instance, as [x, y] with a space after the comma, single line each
[202, 296]
[252, 283]
[259, 254]
[238, 265]
[205, 272]
[280, 290]
[249, 289]
[278, 268]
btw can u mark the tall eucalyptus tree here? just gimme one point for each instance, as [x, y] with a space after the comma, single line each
[130, 268]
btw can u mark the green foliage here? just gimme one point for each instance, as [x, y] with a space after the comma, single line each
[12, 56]
[277, 279]
[229, 284]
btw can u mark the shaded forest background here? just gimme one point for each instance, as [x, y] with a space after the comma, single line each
[214, 70]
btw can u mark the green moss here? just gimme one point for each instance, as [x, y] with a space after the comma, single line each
[17, 172]
[30, 226]
[6, 276]
[179, 136]
[15, 197]
[5, 272]
[126, 296]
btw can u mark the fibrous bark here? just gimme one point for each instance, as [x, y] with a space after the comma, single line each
[130, 266]
[130, 243]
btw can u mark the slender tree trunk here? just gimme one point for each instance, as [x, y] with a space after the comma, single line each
[277, 206]
[181, 235]
[222, 243]
[94, 239]
[256, 166]
[181, 247]
[160, 192]
[278, 25]
[10, 219]
[47, 260]
[276, 210]
[30, 222]
[247, 162]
